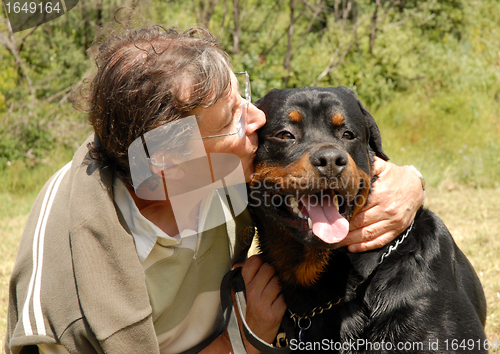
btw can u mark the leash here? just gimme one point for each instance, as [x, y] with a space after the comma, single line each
[304, 321]
[234, 280]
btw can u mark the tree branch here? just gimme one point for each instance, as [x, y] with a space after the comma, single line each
[316, 11]
[345, 12]
[24, 39]
[9, 42]
[262, 23]
[333, 63]
[237, 26]
[315, 8]
[373, 26]
[203, 11]
[288, 56]
[224, 14]
[210, 12]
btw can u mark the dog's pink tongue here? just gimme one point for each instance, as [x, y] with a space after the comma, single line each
[327, 223]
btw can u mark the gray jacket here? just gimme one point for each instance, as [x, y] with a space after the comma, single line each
[86, 290]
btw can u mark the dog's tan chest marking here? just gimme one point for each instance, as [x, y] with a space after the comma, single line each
[310, 269]
[302, 266]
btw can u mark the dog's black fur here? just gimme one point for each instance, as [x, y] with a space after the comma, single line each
[425, 291]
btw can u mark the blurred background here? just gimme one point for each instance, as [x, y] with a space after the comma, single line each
[427, 70]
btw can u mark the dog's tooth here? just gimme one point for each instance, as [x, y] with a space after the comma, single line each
[310, 223]
[300, 214]
[293, 202]
[336, 201]
[297, 211]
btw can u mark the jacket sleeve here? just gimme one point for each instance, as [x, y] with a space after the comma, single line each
[77, 280]
[43, 301]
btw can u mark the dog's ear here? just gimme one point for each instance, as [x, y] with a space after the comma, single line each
[258, 103]
[267, 99]
[375, 140]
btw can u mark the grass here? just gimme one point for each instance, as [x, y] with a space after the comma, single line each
[14, 212]
[470, 213]
[452, 139]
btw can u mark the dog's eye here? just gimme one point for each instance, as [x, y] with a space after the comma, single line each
[285, 135]
[348, 135]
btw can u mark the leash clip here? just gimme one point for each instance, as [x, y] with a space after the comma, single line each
[303, 327]
[281, 340]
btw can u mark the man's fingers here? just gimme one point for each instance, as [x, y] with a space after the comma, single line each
[369, 215]
[260, 279]
[272, 289]
[375, 235]
[376, 243]
[379, 166]
[279, 306]
[367, 233]
[251, 267]
[265, 304]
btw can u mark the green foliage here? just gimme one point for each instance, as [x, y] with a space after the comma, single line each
[8, 77]
[24, 139]
[436, 18]
[427, 70]
[449, 123]
[451, 138]
[36, 140]
[55, 61]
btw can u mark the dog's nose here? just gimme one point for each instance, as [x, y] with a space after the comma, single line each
[329, 162]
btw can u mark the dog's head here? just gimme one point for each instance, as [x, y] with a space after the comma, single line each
[313, 165]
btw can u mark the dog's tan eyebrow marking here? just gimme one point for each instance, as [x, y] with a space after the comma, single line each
[337, 119]
[295, 116]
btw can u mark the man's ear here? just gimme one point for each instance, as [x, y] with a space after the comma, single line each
[375, 139]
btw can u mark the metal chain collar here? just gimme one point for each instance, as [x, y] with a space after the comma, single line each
[298, 319]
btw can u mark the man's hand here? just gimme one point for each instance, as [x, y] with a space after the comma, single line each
[396, 197]
[265, 304]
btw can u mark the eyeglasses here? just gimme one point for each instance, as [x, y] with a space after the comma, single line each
[244, 90]
[171, 138]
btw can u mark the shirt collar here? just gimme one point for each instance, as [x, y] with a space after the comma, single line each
[145, 233]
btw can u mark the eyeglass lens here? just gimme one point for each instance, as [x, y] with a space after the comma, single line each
[244, 85]
[245, 92]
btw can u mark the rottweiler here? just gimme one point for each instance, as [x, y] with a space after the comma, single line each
[313, 174]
